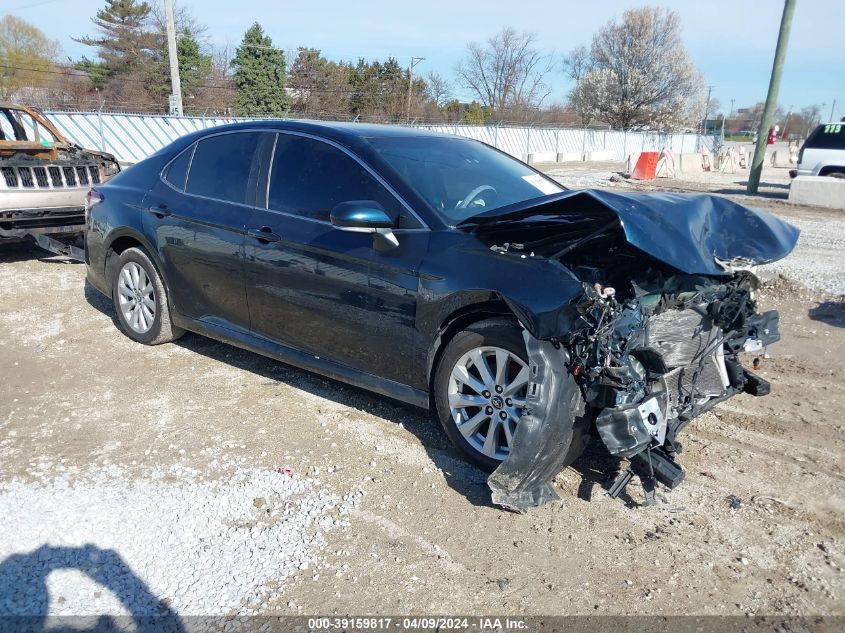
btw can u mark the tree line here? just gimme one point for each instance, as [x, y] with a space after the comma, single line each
[635, 73]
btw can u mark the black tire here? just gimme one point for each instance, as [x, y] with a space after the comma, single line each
[495, 332]
[836, 174]
[162, 329]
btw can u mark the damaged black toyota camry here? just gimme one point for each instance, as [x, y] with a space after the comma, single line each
[439, 271]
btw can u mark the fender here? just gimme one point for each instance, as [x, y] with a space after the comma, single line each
[551, 433]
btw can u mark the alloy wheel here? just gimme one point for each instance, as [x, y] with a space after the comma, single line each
[136, 296]
[486, 394]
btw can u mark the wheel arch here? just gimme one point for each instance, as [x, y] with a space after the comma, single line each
[130, 239]
[832, 169]
[457, 321]
[121, 241]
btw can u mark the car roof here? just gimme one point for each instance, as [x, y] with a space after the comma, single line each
[333, 130]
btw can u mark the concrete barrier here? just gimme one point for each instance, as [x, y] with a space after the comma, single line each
[818, 191]
[571, 157]
[689, 162]
[599, 155]
[539, 157]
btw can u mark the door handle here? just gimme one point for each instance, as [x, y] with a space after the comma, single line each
[161, 211]
[264, 234]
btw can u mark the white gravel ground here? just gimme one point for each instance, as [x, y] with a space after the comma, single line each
[817, 261]
[114, 543]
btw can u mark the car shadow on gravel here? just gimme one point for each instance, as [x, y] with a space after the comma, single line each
[460, 475]
[25, 599]
[596, 466]
[829, 312]
[741, 191]
[13, 252]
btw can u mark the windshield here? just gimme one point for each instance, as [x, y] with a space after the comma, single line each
[461, 178]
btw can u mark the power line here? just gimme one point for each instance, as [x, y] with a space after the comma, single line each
[32, 5]
[69, 72]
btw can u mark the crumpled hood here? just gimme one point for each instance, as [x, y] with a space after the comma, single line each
[690, 232]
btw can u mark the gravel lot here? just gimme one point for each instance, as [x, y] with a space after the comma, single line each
[201, 479]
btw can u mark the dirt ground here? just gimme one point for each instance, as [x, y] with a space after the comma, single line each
[758, 526]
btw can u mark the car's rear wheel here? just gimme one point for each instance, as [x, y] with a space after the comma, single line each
[140, 300]
[480, 387]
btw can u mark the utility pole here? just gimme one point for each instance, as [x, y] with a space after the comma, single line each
[784, 132]
[771, 98]
[175, 83]
[414, 62]
[832, 108]
[706, 112]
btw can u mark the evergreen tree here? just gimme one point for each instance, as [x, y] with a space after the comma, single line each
[259, 75]
[476, 114]
[194, 66]
[124, 42]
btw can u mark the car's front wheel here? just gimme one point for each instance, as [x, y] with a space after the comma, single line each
[480, 388]
[140, 300]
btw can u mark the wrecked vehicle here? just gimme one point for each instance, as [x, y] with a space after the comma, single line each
[444, 273]
[45, 179]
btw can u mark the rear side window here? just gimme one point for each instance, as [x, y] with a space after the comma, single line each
[222, 167]
[829, 136]
[309, 178]
[177, 172]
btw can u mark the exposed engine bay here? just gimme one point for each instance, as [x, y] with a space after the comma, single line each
[657, 360]
[648, 362]
[645, 348]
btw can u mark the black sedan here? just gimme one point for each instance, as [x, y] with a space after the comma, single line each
[441, 272]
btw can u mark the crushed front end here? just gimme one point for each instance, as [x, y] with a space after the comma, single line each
[652, 340]
[650, 363]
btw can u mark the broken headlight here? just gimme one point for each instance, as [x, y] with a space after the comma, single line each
[110, 168]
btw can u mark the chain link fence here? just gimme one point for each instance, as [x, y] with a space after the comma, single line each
[133, 137]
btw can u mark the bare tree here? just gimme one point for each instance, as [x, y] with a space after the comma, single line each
[507, 71]
[639, 73]
[27, 54]
[437, 88]
[217, 94]
[575, 65]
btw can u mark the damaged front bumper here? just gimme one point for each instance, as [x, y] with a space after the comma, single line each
[639, 370]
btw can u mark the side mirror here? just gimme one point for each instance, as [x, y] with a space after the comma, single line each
[367, 216]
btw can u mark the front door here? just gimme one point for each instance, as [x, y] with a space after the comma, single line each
[308, 282]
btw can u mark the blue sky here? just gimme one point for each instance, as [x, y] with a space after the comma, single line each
[732, 42]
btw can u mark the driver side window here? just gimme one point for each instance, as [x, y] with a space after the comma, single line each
[309, 178]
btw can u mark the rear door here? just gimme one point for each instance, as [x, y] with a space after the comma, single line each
[198, 214]
[309, 283]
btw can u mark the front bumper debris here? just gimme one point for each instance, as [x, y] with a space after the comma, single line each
[550, 434]
[640, 368]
